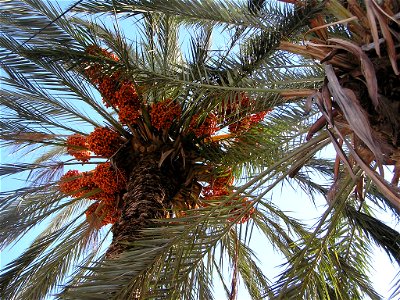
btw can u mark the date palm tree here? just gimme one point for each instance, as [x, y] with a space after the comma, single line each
[123, 129]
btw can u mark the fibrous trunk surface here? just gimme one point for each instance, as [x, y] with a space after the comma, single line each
[148, 197]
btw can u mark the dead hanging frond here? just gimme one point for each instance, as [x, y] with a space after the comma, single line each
[366, 67]
[384, 15]
[353, 112]
[355, 101]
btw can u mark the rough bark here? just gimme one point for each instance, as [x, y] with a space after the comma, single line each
[149, 192]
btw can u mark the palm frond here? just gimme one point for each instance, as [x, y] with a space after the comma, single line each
[169, 260]
[23, 208]
[39, 61]
[384, 236]
[39, 263]
[190, 12]
[316, 262]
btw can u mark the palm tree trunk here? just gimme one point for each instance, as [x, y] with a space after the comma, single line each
[148, 197]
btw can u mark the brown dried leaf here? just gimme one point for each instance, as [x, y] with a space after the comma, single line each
[367, 68]
[353, 112]
[359, 190]
[383, 23]
[336, 167]
[357, 10]
[396, 175]
[309, 102]
[164, 156]
[342, 155]
[338, 60]
[320, 123]
[373, 27]
[327, 102]
[331, 194]
[319, 27]
[183, 156]
[32, 136]
[317, 126]
[390, 192]
[297, 93]
[387, 8]
[329, 56]
[306, 51]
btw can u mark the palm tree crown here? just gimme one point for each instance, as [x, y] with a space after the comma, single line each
[178, 147]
